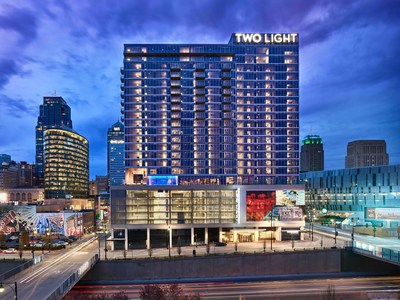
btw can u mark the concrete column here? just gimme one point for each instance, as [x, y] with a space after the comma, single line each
[206, 235]
[192, 239]
[220, 234]
[148, 239]
[234, 236]
[126, 238]
[170, 237]
[112, 243]
[256, 235]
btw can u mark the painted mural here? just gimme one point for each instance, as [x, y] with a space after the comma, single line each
[25, 218]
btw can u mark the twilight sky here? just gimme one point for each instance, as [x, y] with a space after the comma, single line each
[349, 62]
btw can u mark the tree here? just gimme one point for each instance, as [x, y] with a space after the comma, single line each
[167, 292]
[330, 293]
[2, 240]
[24, 239]
[179, 248]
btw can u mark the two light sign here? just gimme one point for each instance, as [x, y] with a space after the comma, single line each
[266, 38]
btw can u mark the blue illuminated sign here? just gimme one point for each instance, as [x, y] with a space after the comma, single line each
[162, 180]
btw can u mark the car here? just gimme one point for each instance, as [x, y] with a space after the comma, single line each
[63, 243]
[10, 251]
[220, 244]
[39, 244]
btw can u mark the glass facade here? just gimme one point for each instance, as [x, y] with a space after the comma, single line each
[115, 154]
[66, 161]
[212, 113]
[181, 206]
[54, 113]
[353, 192]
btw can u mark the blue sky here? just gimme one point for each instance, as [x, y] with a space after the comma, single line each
[349, 62]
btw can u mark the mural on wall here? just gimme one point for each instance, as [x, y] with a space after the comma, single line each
[259, 204]
[73, 224]
[25, 218]
[290, 197]
[17, 218]
[54, 222]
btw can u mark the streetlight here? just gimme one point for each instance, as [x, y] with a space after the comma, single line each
[11, 287]
[336, 233]
[312, 224]
[169, 241]
[272, 211]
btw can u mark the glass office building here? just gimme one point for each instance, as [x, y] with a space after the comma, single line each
[115, 154]
[66, 164]
[211, 142]
[53, 113]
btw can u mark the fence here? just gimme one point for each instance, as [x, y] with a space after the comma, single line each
[63, 289]
[21, 267]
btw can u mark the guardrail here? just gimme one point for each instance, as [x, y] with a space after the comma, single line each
[21, 267]
[379, 252]
[64, 288]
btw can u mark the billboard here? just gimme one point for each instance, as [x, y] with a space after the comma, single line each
[259, 204]
[386, 213]
[289, 213]
[290, 197]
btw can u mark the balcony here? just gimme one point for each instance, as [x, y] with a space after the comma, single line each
[122, 95]
[176, 101]
[226, 75]
[121, 70]
[122, 77]
[176, 92]
[122, 103]
[121, 87]
[226, 93]
[200, 92]
[200, 75]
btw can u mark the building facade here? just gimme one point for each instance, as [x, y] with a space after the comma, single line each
[370, 195]
[53, 113]
[211, 139]
[66, 164]
[213, 113]
[115, 154]
[5, 158]
[366, 153]
[312, 154]
[167, 215]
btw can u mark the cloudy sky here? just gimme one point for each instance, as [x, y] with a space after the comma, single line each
[349, 62]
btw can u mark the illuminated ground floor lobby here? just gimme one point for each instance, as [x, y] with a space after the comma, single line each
[184, 236]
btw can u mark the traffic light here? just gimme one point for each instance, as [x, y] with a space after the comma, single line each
[336, 233]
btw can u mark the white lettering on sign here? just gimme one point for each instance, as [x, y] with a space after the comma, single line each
[267, 38]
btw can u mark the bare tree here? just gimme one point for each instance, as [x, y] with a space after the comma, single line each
[330, 293]
[167, 292]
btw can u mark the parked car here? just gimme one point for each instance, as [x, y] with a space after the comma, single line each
[10, 251]
[220, 244]
[39, 244]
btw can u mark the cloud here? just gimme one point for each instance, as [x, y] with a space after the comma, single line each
[348, 60]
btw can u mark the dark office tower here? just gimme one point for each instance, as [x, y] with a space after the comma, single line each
[66, 164]
[366, 153]
[54, 113]
[312, 154]
[213, 113]
[115, 154]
